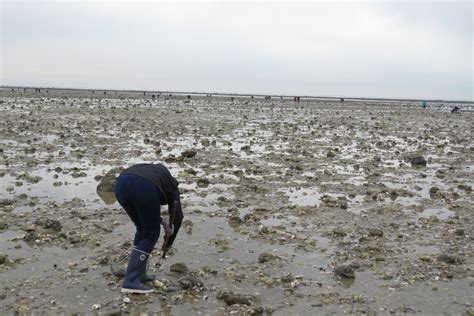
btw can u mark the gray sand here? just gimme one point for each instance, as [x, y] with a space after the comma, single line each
[310, 208]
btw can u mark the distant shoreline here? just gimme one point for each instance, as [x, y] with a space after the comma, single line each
[239, 95]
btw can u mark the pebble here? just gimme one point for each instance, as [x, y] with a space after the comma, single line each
[202, 182]
[3, 258]
[179, 267]
[266, 257]
[448, 258]
[418, 161]
[231, 298]
[190, 153]
[338, 231]
[189, 282]
[375, 232]
[346, 271]
[117, 270]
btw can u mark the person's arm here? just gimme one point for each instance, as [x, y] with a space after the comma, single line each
[176, 218]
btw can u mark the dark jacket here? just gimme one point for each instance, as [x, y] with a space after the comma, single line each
[160, 176]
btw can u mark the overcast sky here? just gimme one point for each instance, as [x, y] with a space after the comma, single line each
[415, 49]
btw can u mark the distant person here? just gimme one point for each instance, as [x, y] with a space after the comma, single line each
[140, 190]
[455, 110]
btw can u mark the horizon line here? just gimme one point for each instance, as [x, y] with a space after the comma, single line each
[243, 94]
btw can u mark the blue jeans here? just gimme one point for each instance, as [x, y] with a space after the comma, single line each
[141, 200]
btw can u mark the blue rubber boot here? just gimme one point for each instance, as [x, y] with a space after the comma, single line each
[146, 277]
[135, 269]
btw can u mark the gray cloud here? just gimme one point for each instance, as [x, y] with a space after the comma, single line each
[419, 50]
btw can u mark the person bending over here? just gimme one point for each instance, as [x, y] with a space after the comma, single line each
[140, 190]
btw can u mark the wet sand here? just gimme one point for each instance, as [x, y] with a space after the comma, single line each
[315, 208]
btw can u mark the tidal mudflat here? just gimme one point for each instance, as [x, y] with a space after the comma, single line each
[310, 208]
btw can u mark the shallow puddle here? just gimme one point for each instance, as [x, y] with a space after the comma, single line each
[440, 213]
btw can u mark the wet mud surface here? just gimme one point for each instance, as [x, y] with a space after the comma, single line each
[316, 208]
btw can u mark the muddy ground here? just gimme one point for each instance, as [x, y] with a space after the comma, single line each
[316, 208]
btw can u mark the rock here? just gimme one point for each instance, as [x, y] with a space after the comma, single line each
[245, 148]
[190, 153]
[465, 187]
[231, 298]
[3, 224]
[172, 288]
[202, 182]
[267, 280]
[31, 236]
[338, 231]
[470, 311]
[330, 154]
[375, 232]
[81, 174]
[170, 159]
[238, 173]
[267, 257]
[3, 258]
[29, 150]
[30, 228]
[287, 278]
[6, 203]
[418, 161]
[188, 226]
[448, 258]
[191, 171]
[117, 270]
[334, 202]
[106, 187]
[234, 221]
[205, 142]
[346, 271]
[117, 312]
[189, 282]
[458, 232]
[434, 190]
[179, 267]
[49, 224]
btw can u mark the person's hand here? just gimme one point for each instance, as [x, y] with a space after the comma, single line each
[166, 246]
